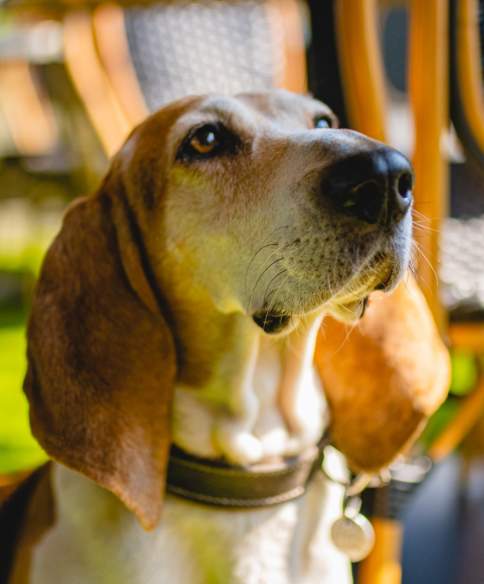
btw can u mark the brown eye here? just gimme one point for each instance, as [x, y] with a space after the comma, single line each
[323, 122]
[205, 140]
[208, 141]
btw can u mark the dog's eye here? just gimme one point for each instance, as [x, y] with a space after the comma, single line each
[207, 141]
[323, 122]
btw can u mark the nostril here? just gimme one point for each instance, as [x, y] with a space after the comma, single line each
[402, 198]
[404, 185]
[366, 201]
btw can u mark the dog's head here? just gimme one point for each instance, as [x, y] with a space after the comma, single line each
[254, 205]
[272, 210]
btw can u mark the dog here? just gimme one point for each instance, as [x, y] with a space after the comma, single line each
[182, 304]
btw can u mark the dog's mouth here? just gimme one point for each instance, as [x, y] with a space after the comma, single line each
[271, 322]
[349, 305]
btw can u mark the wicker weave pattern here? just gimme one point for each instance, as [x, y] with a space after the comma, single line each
[462, 247]
[186, 47]
[462, 268]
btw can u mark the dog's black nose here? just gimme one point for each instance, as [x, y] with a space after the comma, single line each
[373, 185]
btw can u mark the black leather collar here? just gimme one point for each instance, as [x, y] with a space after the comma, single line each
[215, 482]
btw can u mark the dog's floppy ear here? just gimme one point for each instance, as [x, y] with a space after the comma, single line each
[101, 359]
[383, 378]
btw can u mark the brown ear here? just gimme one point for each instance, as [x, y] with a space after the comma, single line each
[101, 358]
[383, 378]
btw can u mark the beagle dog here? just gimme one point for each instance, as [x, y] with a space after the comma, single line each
[183, 303]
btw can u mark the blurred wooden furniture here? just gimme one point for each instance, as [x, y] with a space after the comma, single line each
[428, 73]
[18, 94]
[126, 61]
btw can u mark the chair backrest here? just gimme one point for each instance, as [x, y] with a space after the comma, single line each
[182, 47]
[129, 58]
[145, 56]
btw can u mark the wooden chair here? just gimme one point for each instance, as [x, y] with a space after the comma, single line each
[18, 94]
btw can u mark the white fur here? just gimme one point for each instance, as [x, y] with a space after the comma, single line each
[97, 541]
[272, 404]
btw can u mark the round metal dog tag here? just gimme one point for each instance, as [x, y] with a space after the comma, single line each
[354, 536]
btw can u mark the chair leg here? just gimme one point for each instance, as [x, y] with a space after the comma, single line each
[469, 413]
[382, 566]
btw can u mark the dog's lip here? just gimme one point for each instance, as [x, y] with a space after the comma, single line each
[387, 283]
[349, 312]
[357, 308]
[347, 305]
[364, 306]
[350, 306]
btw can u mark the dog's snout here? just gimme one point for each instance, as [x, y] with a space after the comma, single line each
[373, 186]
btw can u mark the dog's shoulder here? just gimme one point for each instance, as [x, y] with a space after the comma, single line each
[26, 511]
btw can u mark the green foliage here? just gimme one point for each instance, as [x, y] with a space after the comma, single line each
[463, 381]
[464, 372]
[18, 450]
[439, 421]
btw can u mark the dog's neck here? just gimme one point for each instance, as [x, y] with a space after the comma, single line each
[245, 395]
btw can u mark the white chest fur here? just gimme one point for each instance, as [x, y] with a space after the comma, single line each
[96, 540]
[264, 399]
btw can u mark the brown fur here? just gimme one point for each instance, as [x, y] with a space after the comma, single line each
[384, 377]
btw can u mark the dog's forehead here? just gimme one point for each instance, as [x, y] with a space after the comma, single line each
[278, 107]
[280, 104]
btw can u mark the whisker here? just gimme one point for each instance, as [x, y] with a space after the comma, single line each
[349, 329]
[424, 228]
[269, 293]
[418, 213]
[264, 246]
[273, 244]
[265, 293]
[277, 260]
[422, 255]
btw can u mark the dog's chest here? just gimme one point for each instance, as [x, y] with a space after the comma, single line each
[263, 399]
[96, 540]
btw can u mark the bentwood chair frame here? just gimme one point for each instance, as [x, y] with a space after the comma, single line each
[428, 74]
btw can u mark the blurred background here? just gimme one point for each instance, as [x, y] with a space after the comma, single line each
[76, 77]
